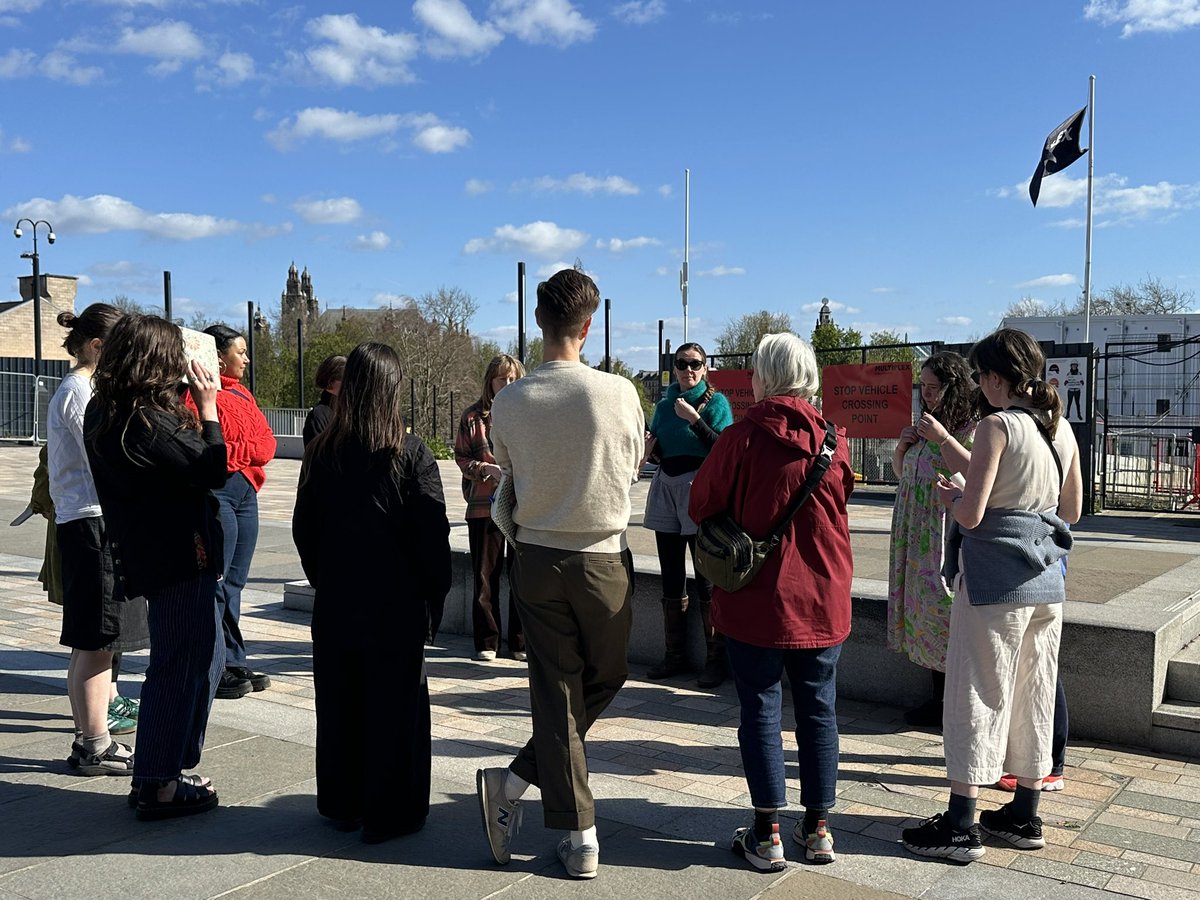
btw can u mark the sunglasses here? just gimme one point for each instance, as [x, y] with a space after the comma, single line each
[684, 364]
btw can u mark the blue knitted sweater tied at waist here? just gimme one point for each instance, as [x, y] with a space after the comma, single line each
[1012, 556]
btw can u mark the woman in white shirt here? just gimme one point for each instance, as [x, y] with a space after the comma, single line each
[98, 621]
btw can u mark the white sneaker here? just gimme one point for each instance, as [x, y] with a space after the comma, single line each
[519, 655]
[484, 656]
[580, 862]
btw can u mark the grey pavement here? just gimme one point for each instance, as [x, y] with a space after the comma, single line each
[666, 774]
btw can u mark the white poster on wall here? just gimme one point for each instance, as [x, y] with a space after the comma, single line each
[1069, 377]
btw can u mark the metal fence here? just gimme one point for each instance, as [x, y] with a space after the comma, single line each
[286, 422]
[1147, 470]
[24, 401]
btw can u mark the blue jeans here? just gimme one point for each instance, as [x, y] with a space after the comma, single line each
[757, 673]
[239, 522]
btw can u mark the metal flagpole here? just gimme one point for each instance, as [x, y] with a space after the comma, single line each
[683, 273]
[1087, 262]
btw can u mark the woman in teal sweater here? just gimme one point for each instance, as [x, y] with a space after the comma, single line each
[685, 426]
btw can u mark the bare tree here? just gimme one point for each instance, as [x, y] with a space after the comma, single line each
[742, 334]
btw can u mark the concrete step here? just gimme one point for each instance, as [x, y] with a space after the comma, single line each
[1183, 674]
[1176, 728]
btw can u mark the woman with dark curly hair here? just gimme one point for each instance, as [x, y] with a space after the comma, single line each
[918, 599]
[155, 462]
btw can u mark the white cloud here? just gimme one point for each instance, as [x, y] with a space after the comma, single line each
[17, 64]
[883, 290]
[834, 306]
[1049, 281]
[1114, 199]
[385, 298]
[231, 69]
[617, 245]
[358, 54]
[579, 183]
[83, 280]
[509, 299]
[373, 242]
[542, 21]
[19, 145]
[19, 6]
[721, 272]
[474, 187]
[664, 190]
[1138, 16]
[661, 271]
[549, 269]
[102, 213]
[171, 42]
[957, 321]
[438, 137]
[334, 211]
[640, 12]
[456, 33]
[430, 133]
[545, 239]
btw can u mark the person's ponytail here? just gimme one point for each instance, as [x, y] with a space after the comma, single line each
[1045, 397]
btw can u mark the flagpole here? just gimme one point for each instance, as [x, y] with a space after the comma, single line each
[1087, 261]
[683, 273]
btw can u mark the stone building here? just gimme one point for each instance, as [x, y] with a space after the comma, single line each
[298, 301]
[16, 318]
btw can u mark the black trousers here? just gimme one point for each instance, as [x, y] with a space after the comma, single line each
[490, 558]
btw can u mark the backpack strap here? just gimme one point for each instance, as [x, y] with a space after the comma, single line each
[1049, 440]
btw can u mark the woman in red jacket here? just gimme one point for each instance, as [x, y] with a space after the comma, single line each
[250, 446]
[795, 615]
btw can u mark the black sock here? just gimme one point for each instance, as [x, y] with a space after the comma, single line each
[1025, 804]
[765, 822]
[961, 813]
[812, 817]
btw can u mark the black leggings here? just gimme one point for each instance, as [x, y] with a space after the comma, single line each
[672, 556]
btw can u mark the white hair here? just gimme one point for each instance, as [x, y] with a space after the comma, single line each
[786, 366]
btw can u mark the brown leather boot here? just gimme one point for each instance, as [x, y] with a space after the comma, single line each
[675, 635]
[716, 666]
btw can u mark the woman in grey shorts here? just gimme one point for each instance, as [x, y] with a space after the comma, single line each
[685, 426]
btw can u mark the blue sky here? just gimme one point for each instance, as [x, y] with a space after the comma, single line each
[875, 153]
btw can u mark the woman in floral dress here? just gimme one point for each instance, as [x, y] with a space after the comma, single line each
[918, 598]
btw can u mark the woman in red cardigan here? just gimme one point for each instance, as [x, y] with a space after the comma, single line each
[250, 445]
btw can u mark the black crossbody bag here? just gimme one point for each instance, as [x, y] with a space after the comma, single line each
[730, 558]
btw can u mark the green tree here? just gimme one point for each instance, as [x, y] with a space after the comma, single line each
[894, 354]
[742, 334]
[828, 341]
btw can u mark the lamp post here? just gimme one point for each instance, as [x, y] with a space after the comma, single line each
[37, 286]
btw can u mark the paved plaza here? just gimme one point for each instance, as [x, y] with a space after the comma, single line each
[666, 774]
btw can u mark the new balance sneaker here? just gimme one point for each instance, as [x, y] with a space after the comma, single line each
[484, 655]
[125, 706]
[1049, 783]
[937, 837]
[580, 862]
[766, 856]
[118, 724]
[501, 816]
[1022, 835]
[818, 846]
[116, 759]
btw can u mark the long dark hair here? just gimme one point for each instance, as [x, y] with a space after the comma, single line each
[142, 368]
[94, 322]
[1017, 358]
[369, 406]
[692, 345]
[958, 391]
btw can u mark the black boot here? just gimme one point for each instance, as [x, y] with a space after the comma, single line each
[716, 666]
[675, 637]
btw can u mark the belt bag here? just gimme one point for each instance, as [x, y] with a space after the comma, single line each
[730, 558]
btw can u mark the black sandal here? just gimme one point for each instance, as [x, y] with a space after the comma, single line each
[187, 801]
[194, 780]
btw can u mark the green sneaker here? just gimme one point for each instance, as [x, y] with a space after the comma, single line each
[127, 707]
[118, 724]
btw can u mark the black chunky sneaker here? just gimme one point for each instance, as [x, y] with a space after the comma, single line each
[937, 837]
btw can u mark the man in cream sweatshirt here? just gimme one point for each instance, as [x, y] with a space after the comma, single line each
[570, 439]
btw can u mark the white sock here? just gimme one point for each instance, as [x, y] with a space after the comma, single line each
[587, 836]
[514, 786]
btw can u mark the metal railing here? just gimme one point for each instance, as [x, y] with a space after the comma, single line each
[286, 421]
[24, 401]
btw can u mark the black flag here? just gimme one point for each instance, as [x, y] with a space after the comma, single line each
[1062, 148]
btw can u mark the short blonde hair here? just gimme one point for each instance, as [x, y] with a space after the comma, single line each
[786, 366]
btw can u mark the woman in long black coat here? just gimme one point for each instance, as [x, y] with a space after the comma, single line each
[370, 525]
